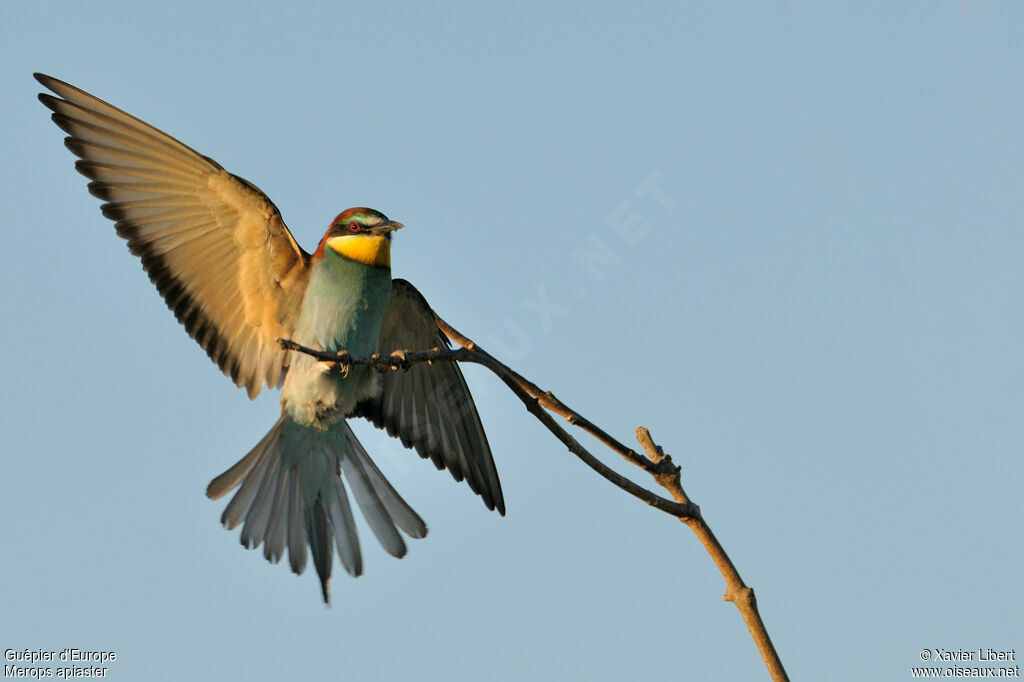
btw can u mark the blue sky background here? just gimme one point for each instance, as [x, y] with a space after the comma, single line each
[822, 320]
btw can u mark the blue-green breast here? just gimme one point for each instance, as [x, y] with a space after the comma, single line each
[343, 307]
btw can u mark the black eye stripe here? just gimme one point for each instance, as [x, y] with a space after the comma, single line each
[343, 229]
[363, 225]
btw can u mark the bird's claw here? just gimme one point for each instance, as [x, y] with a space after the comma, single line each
[344, 364]
[398, 360]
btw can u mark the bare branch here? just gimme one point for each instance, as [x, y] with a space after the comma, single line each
[736, 590]
[403, 359]
[655, 462]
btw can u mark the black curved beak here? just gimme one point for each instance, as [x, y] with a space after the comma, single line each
[386, 228]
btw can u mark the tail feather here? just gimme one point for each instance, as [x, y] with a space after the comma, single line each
[399, 511]
[291, 494]
[240, 504]
[257, 520]
[319, 532]
[372, 507]
[230, 479]
[344, 525]
[297, 529]
[274, 542]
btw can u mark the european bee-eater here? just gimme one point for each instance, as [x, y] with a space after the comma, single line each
[219, 253]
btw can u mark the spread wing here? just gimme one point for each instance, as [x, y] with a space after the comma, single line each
[429, 406]
[213, 244]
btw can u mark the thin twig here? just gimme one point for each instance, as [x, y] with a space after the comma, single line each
[550, 402]
[655, 462]
[403, 359]
[736, 590]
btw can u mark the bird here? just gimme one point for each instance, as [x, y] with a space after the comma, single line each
[225, 263]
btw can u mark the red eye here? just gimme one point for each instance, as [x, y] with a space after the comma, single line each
[353, 227]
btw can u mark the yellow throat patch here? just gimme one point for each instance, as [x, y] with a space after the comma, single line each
[368, 249]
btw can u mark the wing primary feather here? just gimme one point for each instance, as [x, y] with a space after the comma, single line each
[429, 407]
[211, 241]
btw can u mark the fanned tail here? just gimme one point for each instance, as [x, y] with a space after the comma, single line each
[292, 495]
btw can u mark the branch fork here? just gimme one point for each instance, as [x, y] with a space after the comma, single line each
[654, 461]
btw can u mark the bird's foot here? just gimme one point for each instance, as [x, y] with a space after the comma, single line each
[344, 364]
[398, 360]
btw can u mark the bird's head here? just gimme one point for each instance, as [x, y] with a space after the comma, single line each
[360, 234]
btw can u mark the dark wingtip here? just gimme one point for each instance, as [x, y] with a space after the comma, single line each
[48, 82]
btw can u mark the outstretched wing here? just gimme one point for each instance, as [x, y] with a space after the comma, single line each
[429, 406]
[213, 244]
